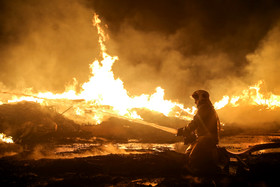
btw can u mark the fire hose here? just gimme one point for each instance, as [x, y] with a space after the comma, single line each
[223, 152]
[240, 156]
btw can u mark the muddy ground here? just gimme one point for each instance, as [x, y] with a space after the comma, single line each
[151, 169]
[38, 131]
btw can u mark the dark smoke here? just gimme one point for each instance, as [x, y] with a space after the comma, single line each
[186, 45]
[180, 45]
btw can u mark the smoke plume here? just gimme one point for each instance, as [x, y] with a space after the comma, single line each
[187, 45]
[44, 44]
[265, 60]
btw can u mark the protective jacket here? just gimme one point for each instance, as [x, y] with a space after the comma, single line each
[202, 152]
[206, 121]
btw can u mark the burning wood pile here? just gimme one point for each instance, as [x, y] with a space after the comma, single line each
[28, 122]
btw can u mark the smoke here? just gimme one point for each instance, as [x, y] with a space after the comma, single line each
[186, 45]
[265, 61]
[180, 45]
[263, 65]
[44, 44]
[143, 69]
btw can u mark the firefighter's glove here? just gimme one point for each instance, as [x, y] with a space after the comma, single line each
[180, 131]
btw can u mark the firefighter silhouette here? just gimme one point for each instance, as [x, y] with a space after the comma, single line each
[201, 134]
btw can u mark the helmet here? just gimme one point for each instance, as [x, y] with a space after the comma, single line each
[200, 95]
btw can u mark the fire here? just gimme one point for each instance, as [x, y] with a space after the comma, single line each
[103, 89]
[272, 101]
[104, 95]
[251, 96]
[15, 99]
[6, 139]
[220, 104]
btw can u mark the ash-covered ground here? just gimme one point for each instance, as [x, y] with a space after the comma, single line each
[52, 150]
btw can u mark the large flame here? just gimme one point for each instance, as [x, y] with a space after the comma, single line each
[104, 95]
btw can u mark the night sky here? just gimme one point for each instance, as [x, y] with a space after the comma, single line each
[181, 45]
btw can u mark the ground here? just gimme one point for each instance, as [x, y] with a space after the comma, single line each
[155, 169]
[51, 150]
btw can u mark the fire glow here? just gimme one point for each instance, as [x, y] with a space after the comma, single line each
[251, 96]
[104, 95]
[6, 139]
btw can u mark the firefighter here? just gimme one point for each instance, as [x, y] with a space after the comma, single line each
[201, 134]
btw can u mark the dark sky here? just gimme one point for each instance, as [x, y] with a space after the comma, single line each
[180, 45]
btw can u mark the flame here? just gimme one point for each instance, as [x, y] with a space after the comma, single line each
[220, 104]
[251, 96]
[104, 95]
[6, 139]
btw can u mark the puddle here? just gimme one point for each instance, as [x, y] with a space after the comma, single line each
[232, 143]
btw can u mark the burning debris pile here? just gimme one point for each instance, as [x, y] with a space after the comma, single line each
[32, 123]
[29, 122]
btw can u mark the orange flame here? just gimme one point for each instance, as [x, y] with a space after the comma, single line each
[6, 139]
[251, 96]
[104, 95]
